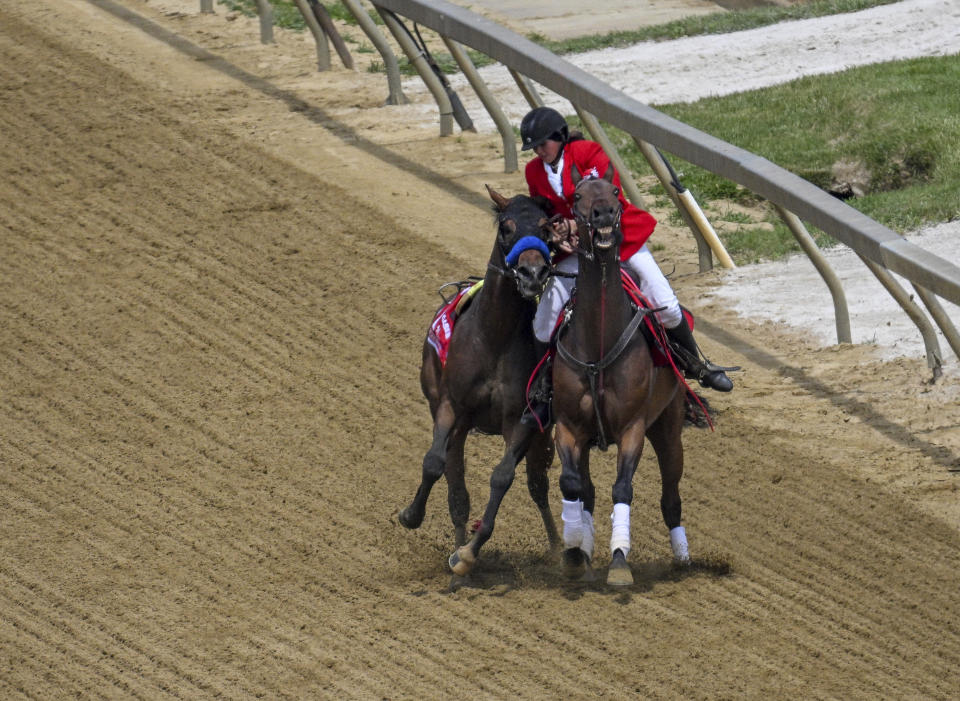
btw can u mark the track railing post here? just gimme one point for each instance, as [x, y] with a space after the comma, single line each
[489, 102]
[265, 13]
[930, 342]
[527, 89]
[323, 48]
[809, 246]
[665, 175]
[416, 58]
[395, 94]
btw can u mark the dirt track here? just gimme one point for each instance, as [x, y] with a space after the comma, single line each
[213, 298]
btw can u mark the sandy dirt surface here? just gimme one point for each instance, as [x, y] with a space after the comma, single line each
[213, 298]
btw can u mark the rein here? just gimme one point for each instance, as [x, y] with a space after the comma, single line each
[593, 369]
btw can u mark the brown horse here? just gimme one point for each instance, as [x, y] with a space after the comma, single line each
[608, 391]
[482, 385]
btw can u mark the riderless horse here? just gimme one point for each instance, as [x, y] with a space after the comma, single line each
[483, 381]
[607, 391]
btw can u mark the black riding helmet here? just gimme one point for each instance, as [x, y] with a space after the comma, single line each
[540, 124]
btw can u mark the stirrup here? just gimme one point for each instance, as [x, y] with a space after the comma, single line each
[538, 414]
[708, 374]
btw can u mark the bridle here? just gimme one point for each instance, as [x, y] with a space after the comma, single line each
[594, 370]
[583, 224]
[512, 256]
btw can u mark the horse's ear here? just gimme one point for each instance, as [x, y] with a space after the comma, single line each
[497, 198]
[575, 174]
[608, 176]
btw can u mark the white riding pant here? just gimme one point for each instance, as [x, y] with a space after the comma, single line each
[653, 285]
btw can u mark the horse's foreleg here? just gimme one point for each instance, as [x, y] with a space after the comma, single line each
[665, 437]
[458, 499]
[539, 459]
[630, 448]
[573, 515]
[589, 500]
[463, 559]
[434, 463]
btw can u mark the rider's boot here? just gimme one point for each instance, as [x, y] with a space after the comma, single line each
[539, 400]
[693, 363]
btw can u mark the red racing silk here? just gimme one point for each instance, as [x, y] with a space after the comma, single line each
[588, 156]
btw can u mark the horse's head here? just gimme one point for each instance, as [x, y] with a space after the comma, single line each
[521, 238]
[597, 208]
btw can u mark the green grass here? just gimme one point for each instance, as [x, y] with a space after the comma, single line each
[715, 23]
[899, 121]
[287, 15]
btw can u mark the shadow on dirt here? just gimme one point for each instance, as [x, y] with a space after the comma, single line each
[498, 573]
[850, 405]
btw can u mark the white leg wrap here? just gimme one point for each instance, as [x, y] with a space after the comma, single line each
[678, 541]
[586, 545]
[572, 516]
[620, 533]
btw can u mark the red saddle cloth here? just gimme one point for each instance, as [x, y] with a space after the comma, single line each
[441, 328]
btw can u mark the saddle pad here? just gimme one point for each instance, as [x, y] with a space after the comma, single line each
[441, 328]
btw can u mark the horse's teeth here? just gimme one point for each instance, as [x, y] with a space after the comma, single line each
[606, 230]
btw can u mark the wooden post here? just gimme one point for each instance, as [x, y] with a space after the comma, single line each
[329, 28]
[265, 12]
[323, 49]
[395, 95]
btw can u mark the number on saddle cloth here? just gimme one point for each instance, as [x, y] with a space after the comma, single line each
[441, 328]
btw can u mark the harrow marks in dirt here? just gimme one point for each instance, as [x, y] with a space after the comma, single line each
[210, 415]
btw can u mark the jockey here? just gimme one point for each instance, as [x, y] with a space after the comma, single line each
[545, 132]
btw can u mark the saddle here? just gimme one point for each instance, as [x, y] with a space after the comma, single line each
[441, 328]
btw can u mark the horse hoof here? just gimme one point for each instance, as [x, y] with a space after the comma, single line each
[588, 576]
[462, 561]
[619, 574]
[408, 520]
[574, 563]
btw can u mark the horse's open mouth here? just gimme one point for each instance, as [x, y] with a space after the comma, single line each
[604, 238]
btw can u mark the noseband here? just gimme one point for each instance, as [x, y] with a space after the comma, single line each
[584, 224]
[526, 243]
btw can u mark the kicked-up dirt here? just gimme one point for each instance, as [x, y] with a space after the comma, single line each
[213, 293]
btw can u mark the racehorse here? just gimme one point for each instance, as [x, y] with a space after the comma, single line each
[607, 390]
[483, 383]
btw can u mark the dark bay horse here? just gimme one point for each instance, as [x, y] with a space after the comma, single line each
[607, 391]
[482, 386]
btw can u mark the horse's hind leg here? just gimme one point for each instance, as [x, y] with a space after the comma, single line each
[539, 458]
[665, 437]
[434, 463]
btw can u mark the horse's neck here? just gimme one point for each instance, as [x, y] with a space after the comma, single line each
[607, 309]
[500, 308]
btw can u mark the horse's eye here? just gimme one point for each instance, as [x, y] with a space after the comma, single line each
[616, 192]
[577, 196]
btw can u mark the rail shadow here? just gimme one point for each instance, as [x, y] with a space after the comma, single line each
[294, 103]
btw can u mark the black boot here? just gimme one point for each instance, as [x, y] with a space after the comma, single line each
[539, 401]
[692, 362]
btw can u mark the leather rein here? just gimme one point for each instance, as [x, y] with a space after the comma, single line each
[594, 370]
